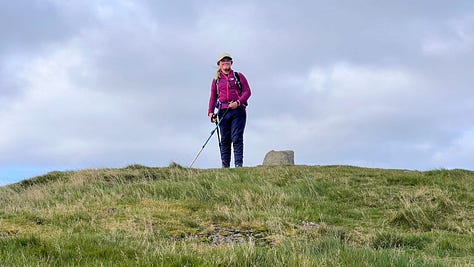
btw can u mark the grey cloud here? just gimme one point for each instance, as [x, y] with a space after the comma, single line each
[26, 25]
[128, 81]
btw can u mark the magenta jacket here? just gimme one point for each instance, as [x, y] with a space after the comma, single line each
[228, 91]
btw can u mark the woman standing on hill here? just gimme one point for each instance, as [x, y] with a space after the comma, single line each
[229, 92]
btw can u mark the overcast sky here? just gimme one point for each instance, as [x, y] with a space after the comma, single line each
[94, 84]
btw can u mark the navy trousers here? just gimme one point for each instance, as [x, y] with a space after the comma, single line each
[232, 127]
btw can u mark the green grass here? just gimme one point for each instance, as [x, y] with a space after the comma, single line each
[261, 216]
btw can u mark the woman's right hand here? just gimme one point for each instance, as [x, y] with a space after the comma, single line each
[213, 118]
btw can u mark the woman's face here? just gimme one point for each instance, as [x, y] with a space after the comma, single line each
[225, 64]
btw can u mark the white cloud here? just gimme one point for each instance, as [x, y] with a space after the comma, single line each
[351, 113]
[100, 83]
[357, 81]
[459, 153]
[458, 39]
[230, 22]
[65, 117]
[51, 107]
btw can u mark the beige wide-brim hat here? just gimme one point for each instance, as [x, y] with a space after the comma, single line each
[222, 56]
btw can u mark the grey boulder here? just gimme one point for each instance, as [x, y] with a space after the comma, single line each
[274, 158]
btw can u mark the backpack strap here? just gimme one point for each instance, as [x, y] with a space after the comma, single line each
[237, 81]
[239, 84]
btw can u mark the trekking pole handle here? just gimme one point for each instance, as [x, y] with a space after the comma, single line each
[214, 118]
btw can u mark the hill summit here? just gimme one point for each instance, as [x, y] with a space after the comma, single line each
[259, 216]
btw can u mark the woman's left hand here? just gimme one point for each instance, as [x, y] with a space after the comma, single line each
[233, 105]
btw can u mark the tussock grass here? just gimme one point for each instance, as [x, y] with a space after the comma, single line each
[262, 216]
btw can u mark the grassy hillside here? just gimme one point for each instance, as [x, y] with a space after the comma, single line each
[262, 216]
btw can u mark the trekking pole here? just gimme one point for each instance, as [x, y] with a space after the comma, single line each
[219, 138]
[205, 143]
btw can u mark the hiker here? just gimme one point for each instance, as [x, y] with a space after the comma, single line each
[229, 93]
